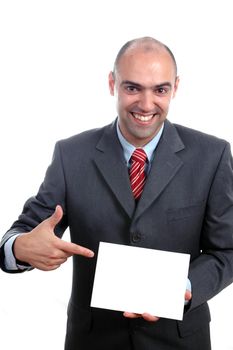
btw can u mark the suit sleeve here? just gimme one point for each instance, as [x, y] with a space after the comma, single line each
[213, 269]
[38, 208]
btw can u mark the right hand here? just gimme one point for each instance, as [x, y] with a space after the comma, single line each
[42, 249]
[150, 318]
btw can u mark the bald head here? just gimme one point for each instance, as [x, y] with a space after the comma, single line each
[145, 44]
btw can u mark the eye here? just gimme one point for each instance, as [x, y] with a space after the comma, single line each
[161, 91]
[131, 89]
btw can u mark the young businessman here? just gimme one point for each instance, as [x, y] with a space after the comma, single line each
[185, 204]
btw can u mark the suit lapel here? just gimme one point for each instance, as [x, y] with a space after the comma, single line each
[165, 165]
[109, 159]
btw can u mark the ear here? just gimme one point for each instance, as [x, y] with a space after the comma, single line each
[176, 86]
[111, 83]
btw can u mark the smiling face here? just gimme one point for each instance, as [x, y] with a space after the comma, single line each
[144, 84]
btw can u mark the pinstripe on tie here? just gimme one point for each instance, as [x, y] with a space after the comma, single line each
[137, 172]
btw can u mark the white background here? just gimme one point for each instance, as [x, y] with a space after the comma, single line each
[54, 60]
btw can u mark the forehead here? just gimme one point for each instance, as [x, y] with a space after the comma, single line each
[146, 67]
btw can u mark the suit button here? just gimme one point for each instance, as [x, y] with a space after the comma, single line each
[136, 237]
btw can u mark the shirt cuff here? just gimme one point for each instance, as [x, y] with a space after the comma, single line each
[188, 285]
[10, 260]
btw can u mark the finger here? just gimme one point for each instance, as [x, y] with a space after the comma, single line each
[52, 264]
[145, 316]
[59, 261]
[131, 315]
[149, 318]
[45, 267]
[55, 218]
[55, 267]
[188, 295]
[51, 267]
[75, 249]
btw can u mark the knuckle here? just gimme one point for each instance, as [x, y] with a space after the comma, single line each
[54, 254]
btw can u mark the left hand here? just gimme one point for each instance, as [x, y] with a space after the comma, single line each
[149, 317]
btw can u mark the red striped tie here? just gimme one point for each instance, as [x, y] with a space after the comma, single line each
[137, 172]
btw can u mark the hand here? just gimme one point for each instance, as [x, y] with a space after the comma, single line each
[145, 315]
[42, 249]
[149, 317]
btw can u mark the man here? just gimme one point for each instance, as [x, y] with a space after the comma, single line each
[186, 205]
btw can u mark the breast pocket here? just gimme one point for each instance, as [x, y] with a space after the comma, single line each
[186, 212]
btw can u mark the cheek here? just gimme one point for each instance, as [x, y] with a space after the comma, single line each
[125, 102]
[164, 103]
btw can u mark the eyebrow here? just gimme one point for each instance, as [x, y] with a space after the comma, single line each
[129, 82]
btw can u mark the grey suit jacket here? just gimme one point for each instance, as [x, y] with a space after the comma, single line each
[186, 206]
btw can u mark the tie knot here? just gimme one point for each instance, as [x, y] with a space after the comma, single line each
[139, 155]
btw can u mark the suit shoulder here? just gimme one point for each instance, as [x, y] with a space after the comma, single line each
[86, 139]
[192, 136]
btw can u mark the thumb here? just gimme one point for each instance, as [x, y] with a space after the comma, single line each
[55, 218]
[188, 295]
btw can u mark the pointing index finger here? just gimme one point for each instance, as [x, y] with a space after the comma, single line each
[73, 249]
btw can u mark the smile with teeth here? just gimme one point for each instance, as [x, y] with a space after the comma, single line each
[143, 118]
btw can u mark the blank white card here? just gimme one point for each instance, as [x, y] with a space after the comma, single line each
[140, 280]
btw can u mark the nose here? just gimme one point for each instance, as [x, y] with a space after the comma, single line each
[146, 102]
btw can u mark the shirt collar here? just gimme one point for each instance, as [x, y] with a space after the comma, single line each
[149, 148]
